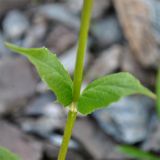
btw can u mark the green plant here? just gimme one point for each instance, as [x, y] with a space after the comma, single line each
[134, 152]
[98, 94]
[5, 154]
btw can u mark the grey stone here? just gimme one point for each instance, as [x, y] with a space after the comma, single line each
[107, 62]
[107, 31]
[16, 83]
[126, 120]
[13, 139]
[61, 39]
[36, 33]
[53, 117]
[15, 24]
[41, 105]
[60, 14]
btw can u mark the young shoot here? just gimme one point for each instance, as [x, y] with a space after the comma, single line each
[98, 94]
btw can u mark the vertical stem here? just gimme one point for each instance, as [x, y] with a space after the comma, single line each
[83, 37]
[158, 92]
[78, 74]
[67, 134]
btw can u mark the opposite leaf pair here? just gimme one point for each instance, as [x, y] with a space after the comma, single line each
[97, 94]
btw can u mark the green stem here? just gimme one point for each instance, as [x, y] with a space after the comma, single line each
[83, 37]
[158, 92]
[78, 74]
[67, 134]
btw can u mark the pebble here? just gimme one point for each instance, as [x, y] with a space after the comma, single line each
[59, 13]
[51, 117]
[15, 24]
[100, 67]
[61, 39]
[107, 31]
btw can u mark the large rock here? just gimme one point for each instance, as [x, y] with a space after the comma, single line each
[13, 139]
[126, 120]
[16, 83]
[98, 145]
[136, 20]
[152, 143]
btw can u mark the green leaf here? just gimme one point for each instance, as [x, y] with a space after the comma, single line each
[5, 154]
[134, 152]
[109, 89]
[50, 70]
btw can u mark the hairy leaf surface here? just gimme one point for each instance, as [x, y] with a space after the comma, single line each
[106, 90]
[50, 70]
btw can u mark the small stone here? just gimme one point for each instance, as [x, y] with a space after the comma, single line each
[16, 83]
[52, 117]
[13, 139]
[126, 120]
[15, 24]
[61, 39]
[107, 62]
[107, 31]
[60, 14]
[43, 126]
[42, 105]
[35, 33]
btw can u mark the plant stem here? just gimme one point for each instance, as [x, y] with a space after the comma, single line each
[83, 37]
[158, 92]
[67, 134]
[78, 74]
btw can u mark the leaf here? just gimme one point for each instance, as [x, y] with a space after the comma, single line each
[109, 89]
[137, 153]
[50, 70]
[5, 154]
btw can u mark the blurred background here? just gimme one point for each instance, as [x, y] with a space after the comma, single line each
[124, 36]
